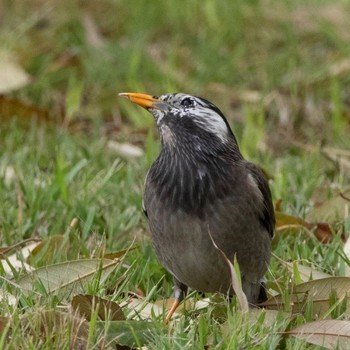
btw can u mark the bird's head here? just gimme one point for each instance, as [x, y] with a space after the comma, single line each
[181, 116]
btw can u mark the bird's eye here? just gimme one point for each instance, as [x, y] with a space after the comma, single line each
[187, 102]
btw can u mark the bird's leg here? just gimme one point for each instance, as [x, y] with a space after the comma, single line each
[180, 291]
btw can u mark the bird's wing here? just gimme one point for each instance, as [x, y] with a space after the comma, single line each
[268, 215]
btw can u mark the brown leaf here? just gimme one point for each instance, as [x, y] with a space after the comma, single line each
[11, 106]
[306, 273]
[49, 249]
[5, 251]
[68, 277]
[331, 210]
[15, 262]
[331, 334]
[4, 323]
[119, 254]
[266, 317]
[85, 304]
[278, 205]
[12, 75]
[286, 221]
[322, 230]
[317, 292]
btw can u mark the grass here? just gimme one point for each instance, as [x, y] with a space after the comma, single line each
[278, 71]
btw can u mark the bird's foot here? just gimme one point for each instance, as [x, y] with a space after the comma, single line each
[180, 291]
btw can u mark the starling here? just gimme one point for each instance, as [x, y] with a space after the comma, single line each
[200, 189]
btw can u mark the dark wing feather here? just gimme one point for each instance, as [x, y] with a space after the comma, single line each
[268, 215]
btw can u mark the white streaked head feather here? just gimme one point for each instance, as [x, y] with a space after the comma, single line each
[211, 122]
[204, 116]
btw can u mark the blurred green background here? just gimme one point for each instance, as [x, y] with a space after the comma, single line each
[289, 60]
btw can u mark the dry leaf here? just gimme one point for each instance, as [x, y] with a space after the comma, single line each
[331, 334]
[119, 254]
[306, 273]
[321, 230]
[4, 323]
[333, 210]
[317, 292]
[12, 75]
[145, 309]
[68, 277]
[11, 106]
[125, 150]
[85, 304]
[266, 317]
[49, 249]
[5, 251]
[17, 260]
[286, 221]
[7, 298]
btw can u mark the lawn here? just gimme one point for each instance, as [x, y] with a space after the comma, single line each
[73, 158]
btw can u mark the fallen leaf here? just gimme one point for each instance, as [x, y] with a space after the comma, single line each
[7, 298]
[5, 324]
[317, 292]
[15, 262]
[5, 251]
[68, 277]
[306, 273]
[331, 334]
[11, 106]
[119, 254]
[333, 210]
[85, 304]
[267, 318]
[12, 75]
[50, 248]
[286, 221]
[125, 150]
[145, 309]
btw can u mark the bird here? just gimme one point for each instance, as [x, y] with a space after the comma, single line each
[199, 191]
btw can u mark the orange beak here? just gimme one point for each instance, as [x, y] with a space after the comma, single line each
[143, 100]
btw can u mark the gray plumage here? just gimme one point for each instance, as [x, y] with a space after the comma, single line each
[200, 185]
